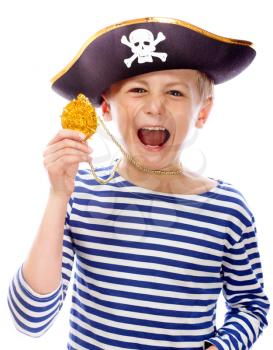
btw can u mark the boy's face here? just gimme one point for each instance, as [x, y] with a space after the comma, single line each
[154, 113]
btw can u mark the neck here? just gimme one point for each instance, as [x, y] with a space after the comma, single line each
[163, 183]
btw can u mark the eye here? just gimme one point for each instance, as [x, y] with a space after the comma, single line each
[175, 93]
[138, 90]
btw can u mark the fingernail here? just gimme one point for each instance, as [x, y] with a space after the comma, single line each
[82, 136]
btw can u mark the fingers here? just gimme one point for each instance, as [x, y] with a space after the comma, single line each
[65, 139]
[67, 134]
[65, 162]
[67, 152]
[67, 146]
[62, 157]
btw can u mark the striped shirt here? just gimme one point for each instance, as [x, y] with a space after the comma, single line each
[149, 267]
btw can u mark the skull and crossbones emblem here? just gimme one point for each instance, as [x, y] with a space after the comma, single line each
[143, 46]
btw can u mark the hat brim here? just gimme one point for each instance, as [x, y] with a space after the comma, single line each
[101, 61]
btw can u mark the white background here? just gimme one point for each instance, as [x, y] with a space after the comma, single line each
[39, 38]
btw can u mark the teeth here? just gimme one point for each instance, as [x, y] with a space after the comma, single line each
[153, 128]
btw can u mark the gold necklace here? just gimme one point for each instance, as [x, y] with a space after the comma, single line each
[80, 115]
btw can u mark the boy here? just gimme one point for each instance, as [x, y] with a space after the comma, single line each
[156, 244]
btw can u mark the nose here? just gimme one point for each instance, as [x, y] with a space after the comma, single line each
[155, 105]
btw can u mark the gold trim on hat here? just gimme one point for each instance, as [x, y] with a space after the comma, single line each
[147, 20]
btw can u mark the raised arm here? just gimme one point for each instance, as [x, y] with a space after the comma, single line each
[38, 289]
[42, 268]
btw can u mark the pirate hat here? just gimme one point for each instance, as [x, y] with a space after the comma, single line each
[145, 45]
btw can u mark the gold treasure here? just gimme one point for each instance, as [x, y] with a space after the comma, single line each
[80, 115]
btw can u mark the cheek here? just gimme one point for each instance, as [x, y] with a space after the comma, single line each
[126, 114]
[181, 133]
[183, 123]
[122, 121]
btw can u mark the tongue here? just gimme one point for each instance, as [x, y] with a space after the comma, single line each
[152, 137]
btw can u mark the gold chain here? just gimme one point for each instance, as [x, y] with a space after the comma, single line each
[131, 160]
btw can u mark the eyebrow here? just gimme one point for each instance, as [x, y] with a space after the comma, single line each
[178, 82]
[172, 83]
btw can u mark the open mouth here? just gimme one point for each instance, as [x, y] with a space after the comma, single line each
[153, 136]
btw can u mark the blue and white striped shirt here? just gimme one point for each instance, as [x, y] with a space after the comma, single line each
[149, 270]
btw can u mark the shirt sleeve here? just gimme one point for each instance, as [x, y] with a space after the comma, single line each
[243, 289]
[34, 313]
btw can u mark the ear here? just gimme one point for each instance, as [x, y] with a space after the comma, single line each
[105, 107]
[204, 112]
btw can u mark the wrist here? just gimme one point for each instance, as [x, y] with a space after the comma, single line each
[58, 196]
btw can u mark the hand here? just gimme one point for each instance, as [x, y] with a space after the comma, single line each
[212, 348]
[61, 160]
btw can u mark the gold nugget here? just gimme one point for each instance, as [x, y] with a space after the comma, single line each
[80, 115]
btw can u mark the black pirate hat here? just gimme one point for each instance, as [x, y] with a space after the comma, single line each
[145, 45]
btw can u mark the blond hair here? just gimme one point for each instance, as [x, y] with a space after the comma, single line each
[205, 85]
